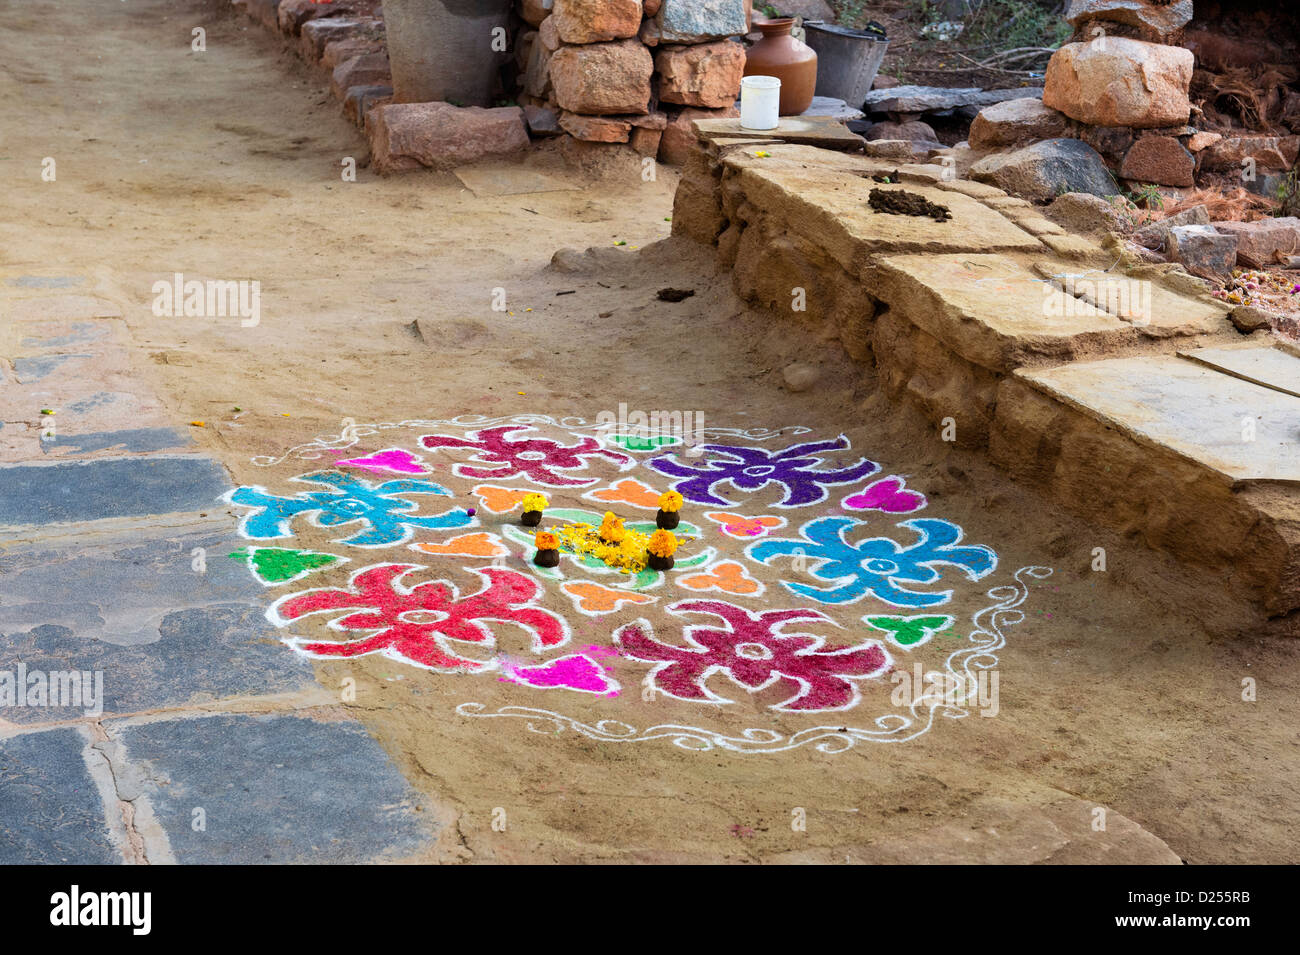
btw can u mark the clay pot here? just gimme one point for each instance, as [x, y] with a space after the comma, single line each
[791, 61]
[547, 558]
[667, 520]
[659, 563]
[531, 518]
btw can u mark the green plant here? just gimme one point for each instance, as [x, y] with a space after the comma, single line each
[1147, 196]
[1288, 194]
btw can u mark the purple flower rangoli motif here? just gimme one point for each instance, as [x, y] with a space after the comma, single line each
[752, 469]
[537, 459]
[750, 650]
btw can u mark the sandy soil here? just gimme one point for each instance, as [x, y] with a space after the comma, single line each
[1120, 689]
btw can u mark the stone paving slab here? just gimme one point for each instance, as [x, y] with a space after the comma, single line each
[824, 131]
[105, 488]
[1193, 410]
[824, 199]
[1266, 365]
[59, 306]
[1140, 300]
[132, 606]
[992, 310]
[274, 789]
[51, 811]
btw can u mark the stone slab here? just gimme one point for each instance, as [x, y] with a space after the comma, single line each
[275, 789]
[107, 488]
[824, 131]
[135, 440]
[59, 306]
[924, 99]
[992, 310]
[131, 605]
[1271, 367]
[1140, 300]
[836, 109]
[508, 181]
[1191, 409]
[51, 812]
[822, 196]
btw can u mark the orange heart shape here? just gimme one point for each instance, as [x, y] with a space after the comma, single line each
[738, 525]
[628, 491]
[594, 598]
[498, 500]
[727, 576]
[466, 545]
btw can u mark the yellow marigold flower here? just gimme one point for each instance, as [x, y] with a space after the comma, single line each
[534, 502]
[547, 540]
[670, 501]
[611, 528]
[662, 544]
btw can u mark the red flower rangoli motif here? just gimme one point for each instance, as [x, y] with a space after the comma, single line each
[414, 624]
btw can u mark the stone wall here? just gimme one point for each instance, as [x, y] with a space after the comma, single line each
[632, 72]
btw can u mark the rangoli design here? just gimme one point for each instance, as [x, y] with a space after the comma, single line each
[765, 617]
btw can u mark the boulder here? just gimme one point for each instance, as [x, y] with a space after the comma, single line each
[1231, 153]
[549, 36]
[646, 141]
[1156, 235]
[707, 74]
[601, 79]
[1159, 159]
[406, 136]
[537, 72]
[914, 132]
[1203, 251]
[595, 129]
[292, 14]
[679, 137]
[594, 21]
[535, 11]
[369, 69]
[1155, 21]
[316, 33]
[808, 9]
[360, 100]
[1045, 170]
[1260, 243]
[1085, 213]
[695, 21]
[542, 121]
[1014, 122]
[1202, 140]
[1116, 81]
[339, 51]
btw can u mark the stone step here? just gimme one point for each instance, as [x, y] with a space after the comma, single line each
[1193, 460]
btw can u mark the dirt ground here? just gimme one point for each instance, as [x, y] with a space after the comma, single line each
[1120, 689]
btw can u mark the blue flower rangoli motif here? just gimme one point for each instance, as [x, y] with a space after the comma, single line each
[389, 519]
[752, 469]
[878, 565]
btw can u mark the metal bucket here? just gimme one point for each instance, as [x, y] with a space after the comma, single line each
[847, 60]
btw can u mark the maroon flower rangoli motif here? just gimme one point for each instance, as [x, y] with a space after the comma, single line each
[538, 459]
[751, 651]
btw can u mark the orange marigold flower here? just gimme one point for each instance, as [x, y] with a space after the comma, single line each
[670, 501]
[547, 540]
[662, 544]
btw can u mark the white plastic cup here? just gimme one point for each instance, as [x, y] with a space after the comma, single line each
[760, 102]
